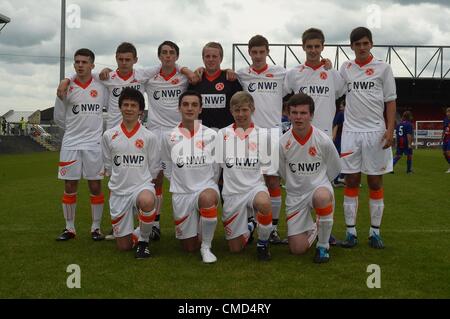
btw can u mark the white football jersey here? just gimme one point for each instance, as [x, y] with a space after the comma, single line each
[188, 161]
[116, 84]
[266, 88]
[237, 152]
[80, 114]
[324, 86]
[308, 163]
[369, 86]
[163, 93]
[130, 158]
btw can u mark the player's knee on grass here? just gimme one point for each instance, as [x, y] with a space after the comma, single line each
[124, 243]
[322, 198]
[190, 245]
[208, 198]
[236, 245]
[262, 203]
[146, 201]
[95, 186]
[375, 182]
[298, 244]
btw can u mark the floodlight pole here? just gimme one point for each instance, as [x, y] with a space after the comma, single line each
[62, 57]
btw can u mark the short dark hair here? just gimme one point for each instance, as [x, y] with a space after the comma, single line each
[132, 94]
[190, 93]
[407, 116]
[170, 44]
[126, 47]
[301, 99]
[258, 41]
[85, 52]
[359, 33]
[313, 33]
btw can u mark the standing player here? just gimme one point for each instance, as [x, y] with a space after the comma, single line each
[366, 141]
[311, 78]
[238, 151]
[446, 137]
[163, 92]
[404, 134]
[187, 156]
[80, 115]
[131, 156]
[308, 162]
[215, 89]
[265, 84]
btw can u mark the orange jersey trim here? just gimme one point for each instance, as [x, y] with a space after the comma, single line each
[97, 199]
[301, 140]
[213, 77]
[275, 192]
[62, 164]
[83, 85]
[178, 222]
[292, 216]
[132, 132]
[69, 199]
[229, 221]
[147, 219]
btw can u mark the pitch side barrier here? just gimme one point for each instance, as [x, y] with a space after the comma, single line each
[407, 61]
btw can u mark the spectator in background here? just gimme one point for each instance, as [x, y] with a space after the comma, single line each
[404, 137]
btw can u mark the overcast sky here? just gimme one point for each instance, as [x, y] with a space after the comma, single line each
[29, 45]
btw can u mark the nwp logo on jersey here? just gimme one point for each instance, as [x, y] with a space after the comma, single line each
[263, 87]
[360, 86]
[85, 108]
[243, 162]
[191, 161]
[116, 91]
[128, 160]
[166, 94]
[315, 90]
[304, 168]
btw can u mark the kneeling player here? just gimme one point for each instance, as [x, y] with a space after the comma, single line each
[131, 158]
[308, 162]
[244, 189]
[187, 156]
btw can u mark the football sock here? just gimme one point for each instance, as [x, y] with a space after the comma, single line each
[145, 223]
[208, 221]
[264, 226]
[351, 208]
[275, 198]
[97, 202]
[325, 223]
[409, 163]
[376, 207]
[396, 159]
[158, 205]
[69, 204]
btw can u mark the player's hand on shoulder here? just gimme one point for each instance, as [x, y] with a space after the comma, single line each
[327, 64]
[199, 71]
[231, 75]
[104, 74]
[192, 77]
[61, 91]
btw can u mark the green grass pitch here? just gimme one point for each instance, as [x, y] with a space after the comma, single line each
[415, 263]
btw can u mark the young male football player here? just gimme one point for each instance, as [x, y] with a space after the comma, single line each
[446, 137]
[265, 83]
[215, 89]
[245, 193]
[404, 136]
[187, 157]
[131, 156]
[80, 115]
[366, 138]
[311, 78]
[308, 162]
